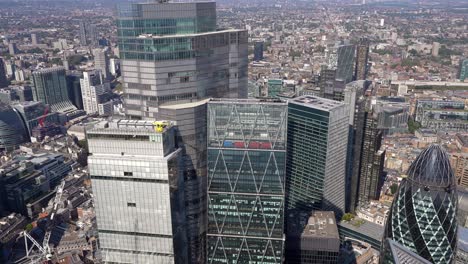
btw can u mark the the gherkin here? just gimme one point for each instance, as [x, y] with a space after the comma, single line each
[423, 213]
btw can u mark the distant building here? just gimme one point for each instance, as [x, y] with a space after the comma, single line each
[345, 63]
[362, 58]
[246, 174]
[435, 49]
[34, 39]
[83, 35]
[61, 44]
[13, 131]
[317, 148]
[315, 241]
[371, 174]
[275, 87]
[12, 48]
[442, 115]
[423, 212]
[35, 113]
[74, 88]
[258, 50]
[137, 177]
[463, 70]
[460, 167]
[94, 91]
[101, 62]
[3, 74]
[50, 87]
[361, 230]
[114, 66]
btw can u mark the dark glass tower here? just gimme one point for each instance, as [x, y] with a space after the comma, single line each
[423, 214]
[13, 131]
[3, 78]
[246, 175]
[362, 58]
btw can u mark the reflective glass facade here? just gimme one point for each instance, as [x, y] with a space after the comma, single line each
[423, 213]
[246, 173]
[13, 131]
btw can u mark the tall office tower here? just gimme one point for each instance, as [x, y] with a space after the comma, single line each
[258, 50]
[362, 59]
[12, 48]
[423, 214]
[12, 128]
[246, 174]
[172, 60]
[34, 39]
[399, 254]
[93, 34]
[345, 63]
[50, 87]
[463, 70]
[317, 149]
[3, 78]
[354, 97]
[327, 82]
[83, 33]
[372, 162]
[94, 91]
[101, 62]
[137, 177]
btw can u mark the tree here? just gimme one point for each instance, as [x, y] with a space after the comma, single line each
[413, 52]
[29, 227]
[413, 125]
[347, 217]
[394, 188]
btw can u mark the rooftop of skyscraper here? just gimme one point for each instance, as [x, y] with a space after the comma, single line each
[321, 224]
[317, 102]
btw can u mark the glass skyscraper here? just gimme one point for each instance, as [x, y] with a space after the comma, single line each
[173, 59]
[13, 130]
[423, 214]
[136, 173]
[246, 174]
[317, 148]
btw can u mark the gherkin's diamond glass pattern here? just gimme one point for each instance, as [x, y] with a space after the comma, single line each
[423, 214]
[246, 171]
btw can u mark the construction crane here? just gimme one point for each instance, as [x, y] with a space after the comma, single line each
[44, 115]
[45, 250]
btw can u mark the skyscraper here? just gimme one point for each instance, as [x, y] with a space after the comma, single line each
[50, 87]
[258, 50]
[317, 147]
[94, 91]
[34, 39]
[101, 62]
[362, 57]
[137, 177]
[372, 162]
[345, 63]
[172, 60]
[423, 214]
[3, 78]
[83, 35]
[246, 175]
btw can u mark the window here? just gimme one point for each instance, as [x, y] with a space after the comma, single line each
[126, 173]
[131, 204]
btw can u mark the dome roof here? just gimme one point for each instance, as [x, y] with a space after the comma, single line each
[432, 168]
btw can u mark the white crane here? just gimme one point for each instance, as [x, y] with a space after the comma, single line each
[46, 251]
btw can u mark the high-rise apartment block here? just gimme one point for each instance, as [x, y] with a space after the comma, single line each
[258, 50]
[95, 92]
[173, 58]
[317, 147]
[246, 175]
[138, 185]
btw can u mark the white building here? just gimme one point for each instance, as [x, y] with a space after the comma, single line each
[137, 180]
[61, 44]
[94, 91]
